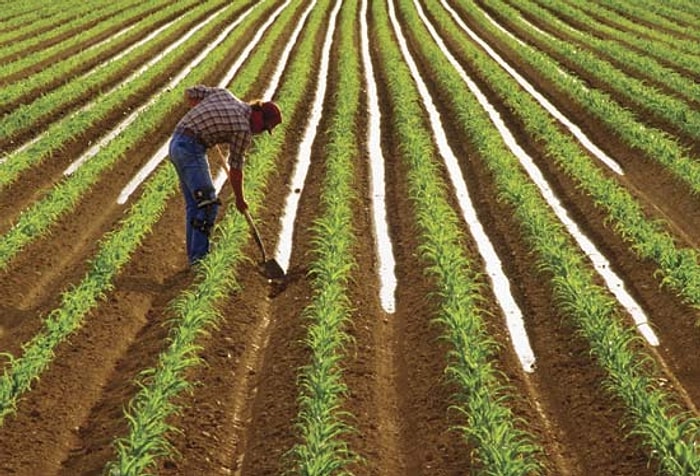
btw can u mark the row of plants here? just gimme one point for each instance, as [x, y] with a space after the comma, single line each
[626, 23]
[82, 121]
[631, 374]
[635, 92]
[30, 115]
[115, 250]
[21, 19]
[35, 221]
[683, 11]
[322, 422]
[678, 267]
[88, 61]
[627, 59]
[196, 310]
[106, 18]
[685, 6]
[630, 371]
[500, 443]
[664, 52]
[89, 119]
[650, 17]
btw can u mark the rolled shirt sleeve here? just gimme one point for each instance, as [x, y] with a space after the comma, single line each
[237, 149]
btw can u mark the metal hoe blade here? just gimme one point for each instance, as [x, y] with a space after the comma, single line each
[271, 268]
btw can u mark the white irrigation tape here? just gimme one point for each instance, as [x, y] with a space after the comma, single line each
[284, 245]
[132, 117]
[384, 246]
[284, 58]
[544, 102]
[121, 54]
[600, 263]
[162, 153]
[494, 268]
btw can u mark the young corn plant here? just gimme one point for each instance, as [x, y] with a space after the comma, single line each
[322, 422]
[588, 306]
[499, 445]
[195, 310]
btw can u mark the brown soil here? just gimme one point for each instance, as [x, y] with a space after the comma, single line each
[240, 417]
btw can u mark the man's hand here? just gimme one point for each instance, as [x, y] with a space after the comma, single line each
[241, 204]
[236, 177]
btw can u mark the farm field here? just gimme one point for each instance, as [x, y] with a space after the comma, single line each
[487, 211]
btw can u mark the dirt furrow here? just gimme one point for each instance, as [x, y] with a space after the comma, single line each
[661, 195]
[76, 407]
[47, 264]
[568, 384]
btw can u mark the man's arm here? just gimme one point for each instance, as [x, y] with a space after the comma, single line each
[236, 161]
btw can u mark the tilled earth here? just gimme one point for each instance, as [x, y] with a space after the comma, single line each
[239, 417]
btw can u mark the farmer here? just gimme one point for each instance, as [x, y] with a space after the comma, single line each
[215, 117]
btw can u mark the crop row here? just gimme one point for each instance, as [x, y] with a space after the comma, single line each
[675, 112]
[500, 444]
[29, 116]
[650, 17]
[196, 310]
[588, 306]
[679, 265]
[34, 222]
[664, 52]
[628, 60]
[120, 13]
[402, 33]
[87, 59]
[113, 255]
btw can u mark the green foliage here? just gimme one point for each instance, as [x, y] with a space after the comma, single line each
[589, 307]
[500, 446]
[322, 422]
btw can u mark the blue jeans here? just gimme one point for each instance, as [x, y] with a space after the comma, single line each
[189, 156]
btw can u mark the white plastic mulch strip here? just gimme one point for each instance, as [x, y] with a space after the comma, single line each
[385, 250]
[600, 263]
[162, 152]
[284, 58]
[544, 102]
[132, 117]
[284, 244]
[501, 285]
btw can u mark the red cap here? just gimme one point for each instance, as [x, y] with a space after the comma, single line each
[271, 115]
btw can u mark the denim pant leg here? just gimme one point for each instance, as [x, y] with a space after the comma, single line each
[189, 158]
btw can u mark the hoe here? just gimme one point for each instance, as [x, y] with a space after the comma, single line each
[271, 268]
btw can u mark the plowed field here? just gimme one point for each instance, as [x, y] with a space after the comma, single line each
[241, 413]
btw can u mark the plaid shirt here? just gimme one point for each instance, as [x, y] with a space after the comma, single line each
[220, 117]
